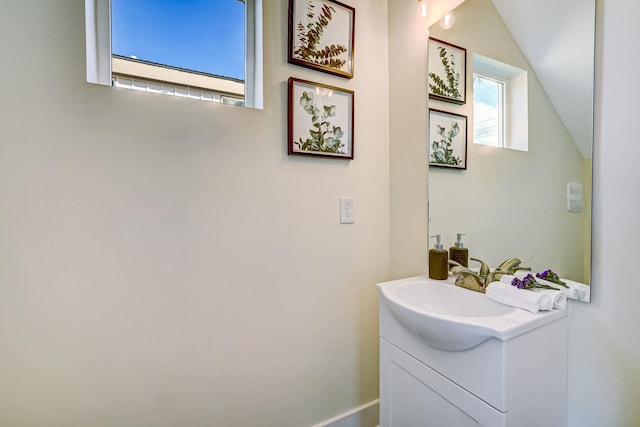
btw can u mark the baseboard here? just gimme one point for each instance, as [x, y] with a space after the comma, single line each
[367, 415]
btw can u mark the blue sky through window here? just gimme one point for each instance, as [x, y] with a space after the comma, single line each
[200, 35]
[486, 110]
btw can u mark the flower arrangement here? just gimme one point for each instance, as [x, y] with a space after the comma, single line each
[552, 277]
[529, 283]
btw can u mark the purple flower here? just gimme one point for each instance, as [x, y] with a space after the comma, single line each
[517, 283]
[528, 283]
[551, 277]
[544, 274]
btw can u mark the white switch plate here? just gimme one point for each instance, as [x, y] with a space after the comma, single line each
[574, 197]
[346, 210]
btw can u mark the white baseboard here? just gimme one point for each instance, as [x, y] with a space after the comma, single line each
[367, 415]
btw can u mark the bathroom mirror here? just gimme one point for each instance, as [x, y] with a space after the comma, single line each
[512, 202]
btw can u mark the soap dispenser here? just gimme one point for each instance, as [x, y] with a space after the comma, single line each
[438, 261]
[459, 253]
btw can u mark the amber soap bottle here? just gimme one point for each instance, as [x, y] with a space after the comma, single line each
[459, 253]
[438, 261]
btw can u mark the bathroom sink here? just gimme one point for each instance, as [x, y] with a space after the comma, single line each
[451, 318]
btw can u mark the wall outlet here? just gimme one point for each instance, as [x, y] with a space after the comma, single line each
[346, 210]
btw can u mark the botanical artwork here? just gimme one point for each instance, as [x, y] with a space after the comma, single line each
[310, 35]
[325, 137]
[447, 139]
[451, 85]
[447, 65]
[321, 35]
[320, 119]
[441, 149]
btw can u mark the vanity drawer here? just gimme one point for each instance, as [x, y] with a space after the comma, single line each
[412, 394]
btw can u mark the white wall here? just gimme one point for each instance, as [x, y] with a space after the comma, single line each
[604, 347]
[163, 262]
[407, 130]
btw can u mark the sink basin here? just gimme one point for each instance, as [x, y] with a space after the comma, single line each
[451, 318]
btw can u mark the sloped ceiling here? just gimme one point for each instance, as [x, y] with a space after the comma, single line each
[557, 38]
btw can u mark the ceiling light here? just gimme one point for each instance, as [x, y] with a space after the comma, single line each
[447, 20]
[422, 8]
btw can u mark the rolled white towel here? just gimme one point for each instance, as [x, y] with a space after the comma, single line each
[558, 297]
[527, 300]
[583, 289]
[507, 278]
[573, 291]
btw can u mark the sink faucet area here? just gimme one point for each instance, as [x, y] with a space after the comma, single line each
[480, 280]
[451, 318]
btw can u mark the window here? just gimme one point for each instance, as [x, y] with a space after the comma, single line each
[207, 50]
[500, 104]
[488, 110]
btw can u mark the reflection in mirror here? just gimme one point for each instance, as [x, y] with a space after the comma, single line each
[512, 202]
[207, 51]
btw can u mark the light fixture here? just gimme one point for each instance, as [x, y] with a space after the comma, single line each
[422, 8]
[447, 21]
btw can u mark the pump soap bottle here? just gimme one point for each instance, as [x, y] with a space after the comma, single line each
[459, 253]
[438, 261]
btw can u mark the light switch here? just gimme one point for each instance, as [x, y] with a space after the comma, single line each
[574, 197]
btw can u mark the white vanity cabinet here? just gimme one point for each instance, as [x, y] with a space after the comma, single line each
[518, 382]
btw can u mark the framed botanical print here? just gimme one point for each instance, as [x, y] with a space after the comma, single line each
[320, 120]
[321, 36]
[447, 71]
[447, 139]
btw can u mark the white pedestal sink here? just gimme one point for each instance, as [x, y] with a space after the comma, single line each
[452, 357]
[451, 318]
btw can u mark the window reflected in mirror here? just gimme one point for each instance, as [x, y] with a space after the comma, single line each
[500, 104]
[488, 110]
